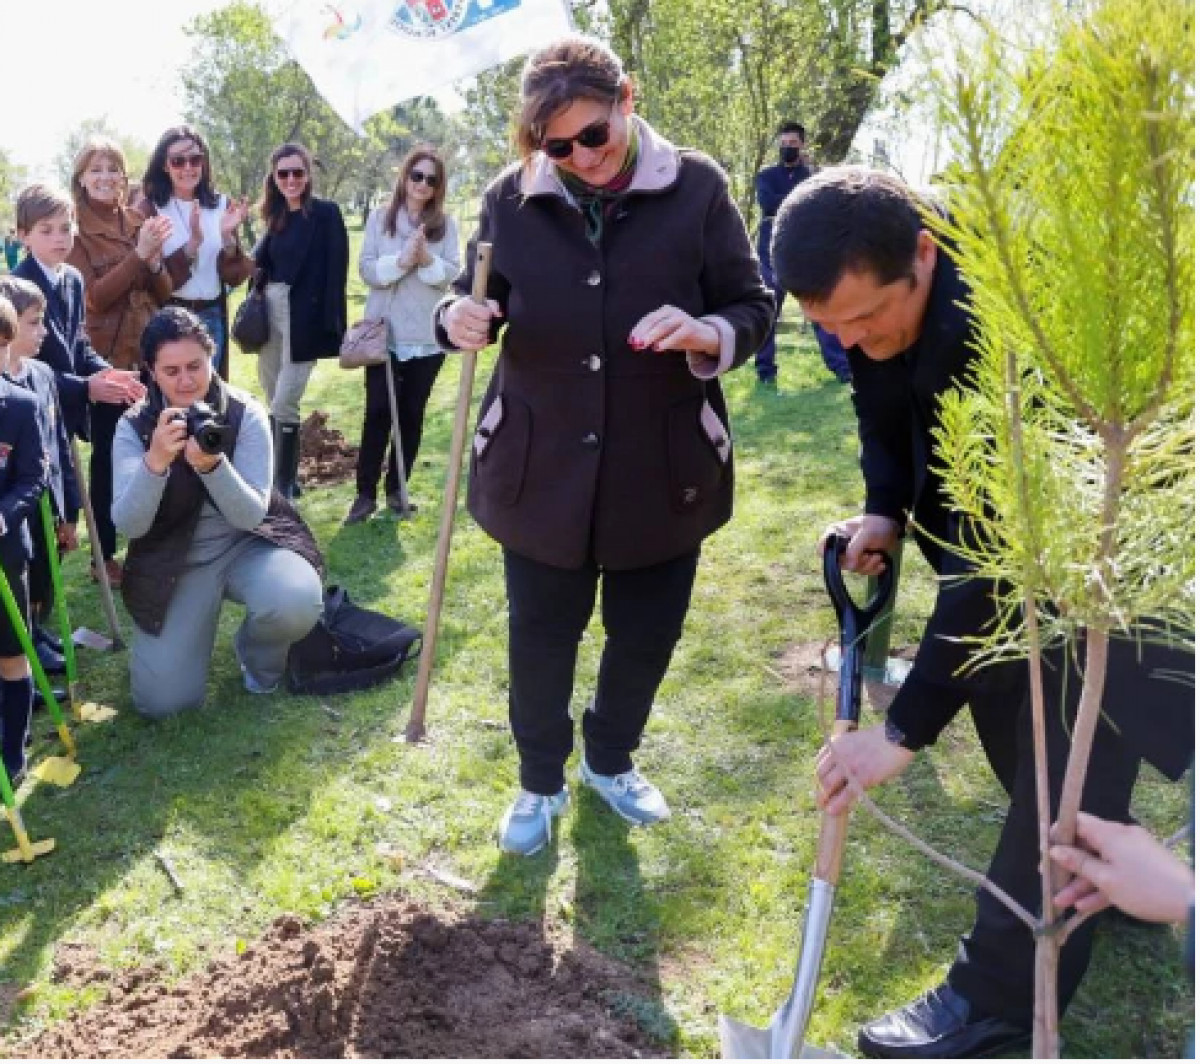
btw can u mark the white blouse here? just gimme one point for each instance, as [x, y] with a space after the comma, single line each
[204, 282]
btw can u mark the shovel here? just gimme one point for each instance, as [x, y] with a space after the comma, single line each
[783, 1038]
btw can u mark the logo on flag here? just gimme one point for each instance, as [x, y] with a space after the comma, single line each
[366, 57]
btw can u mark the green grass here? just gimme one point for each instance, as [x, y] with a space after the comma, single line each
[274, 804]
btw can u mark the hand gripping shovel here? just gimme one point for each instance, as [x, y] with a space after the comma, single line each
[783, 1038]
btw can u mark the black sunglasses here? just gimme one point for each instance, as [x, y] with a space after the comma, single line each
[593, 136]
[284, 172]
[178, 162]
[417, 176]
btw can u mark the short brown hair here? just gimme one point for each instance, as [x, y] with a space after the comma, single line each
[41, 201]
[568, 69]
[22, 294]
[9, 322]
[92, 147]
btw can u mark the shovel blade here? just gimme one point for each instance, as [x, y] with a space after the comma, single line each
[36, 849]
[61, 771]
[740, 1041]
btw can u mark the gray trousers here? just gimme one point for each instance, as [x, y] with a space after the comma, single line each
[283, 381]
[283, 597]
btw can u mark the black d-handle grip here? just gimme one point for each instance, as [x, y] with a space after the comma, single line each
[854, 623]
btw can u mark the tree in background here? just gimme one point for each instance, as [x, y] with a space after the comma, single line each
[13, 178]
[1073, 457]
[246, 94]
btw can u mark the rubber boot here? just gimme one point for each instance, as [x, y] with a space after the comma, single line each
[287, 458]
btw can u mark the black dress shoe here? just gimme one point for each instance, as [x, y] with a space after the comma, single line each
[53, 663]
[939, 1024]
[45, 636]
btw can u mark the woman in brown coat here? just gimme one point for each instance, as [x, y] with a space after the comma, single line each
[119, 254]
[602, 456]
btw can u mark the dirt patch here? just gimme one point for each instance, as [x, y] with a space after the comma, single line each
[801, 666]
[326, 457]
[385, 979]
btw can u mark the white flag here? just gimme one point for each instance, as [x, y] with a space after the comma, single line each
[369, 55]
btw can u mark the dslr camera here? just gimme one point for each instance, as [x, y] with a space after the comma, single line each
[210, 431]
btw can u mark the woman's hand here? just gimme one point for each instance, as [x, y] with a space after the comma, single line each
[150, 238]
[469, 324]
[670, 329]
[870, 535]
[167, 443]
[195, 233]
[234, 215]
[199, 460]
[115, 386]
[66, 537]
[420, 247]
[869, 755]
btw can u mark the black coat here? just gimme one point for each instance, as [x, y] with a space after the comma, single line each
[897, 406]
[22, 469]
[317, 299]
[66, 349]
[585, 448]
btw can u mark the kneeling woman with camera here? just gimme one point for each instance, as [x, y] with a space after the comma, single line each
[192, 492]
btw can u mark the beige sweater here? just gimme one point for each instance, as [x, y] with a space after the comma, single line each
[406, 297]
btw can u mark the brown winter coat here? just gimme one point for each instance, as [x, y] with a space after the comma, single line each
[121, 292]
[585, 448]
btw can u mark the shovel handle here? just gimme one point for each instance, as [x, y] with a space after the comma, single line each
[831, 844]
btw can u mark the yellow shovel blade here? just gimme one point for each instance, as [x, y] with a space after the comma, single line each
[61, 771]
[36, 849]
[93, 711]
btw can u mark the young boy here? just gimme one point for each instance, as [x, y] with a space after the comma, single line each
[23, 464]
[24, 370]
[46, 225]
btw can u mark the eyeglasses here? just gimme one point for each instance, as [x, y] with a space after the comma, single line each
[417, 176]
[178, 162]
[593, 136]
[285, 173]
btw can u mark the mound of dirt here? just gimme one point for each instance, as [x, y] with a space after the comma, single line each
[384, 979]
[325, 455]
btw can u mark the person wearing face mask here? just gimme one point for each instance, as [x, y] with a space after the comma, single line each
[119, 255]
[772, 187]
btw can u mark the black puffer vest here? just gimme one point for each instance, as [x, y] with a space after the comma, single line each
[152, 566]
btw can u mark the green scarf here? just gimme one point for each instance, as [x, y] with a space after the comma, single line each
[594, 202]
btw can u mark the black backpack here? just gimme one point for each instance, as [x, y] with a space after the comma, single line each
[349, 648]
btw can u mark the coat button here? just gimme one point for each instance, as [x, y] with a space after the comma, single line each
[593, 278]
[593, 362]
[591, 440]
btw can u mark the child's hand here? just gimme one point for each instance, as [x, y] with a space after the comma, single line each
[67, 537]
[168, 440]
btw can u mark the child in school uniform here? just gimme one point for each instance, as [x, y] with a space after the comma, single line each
[23, 464]
[25, 370]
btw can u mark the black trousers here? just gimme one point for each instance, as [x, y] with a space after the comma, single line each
[414, 378]
[994, 969]
[104, 420]
[548, 610]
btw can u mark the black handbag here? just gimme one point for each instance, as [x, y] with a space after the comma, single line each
[349, 648]
[251, 324]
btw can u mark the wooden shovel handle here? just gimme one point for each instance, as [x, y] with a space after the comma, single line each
[415, 729]
[832, 842]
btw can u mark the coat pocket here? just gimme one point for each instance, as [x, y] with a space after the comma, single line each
[500, 449]
[700, 450]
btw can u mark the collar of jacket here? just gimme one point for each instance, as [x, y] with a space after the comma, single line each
[657, 167]
[106, 221]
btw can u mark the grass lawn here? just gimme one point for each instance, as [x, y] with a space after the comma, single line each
[272, 804]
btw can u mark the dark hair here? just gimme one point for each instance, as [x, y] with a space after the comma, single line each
[847, 219]
[433, 214]
[568, 69]
[157, 182]
[790, 127]
[273, 206]
[169, 325]
[22, 294]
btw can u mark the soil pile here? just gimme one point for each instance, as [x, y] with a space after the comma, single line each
[325, 455]
[386, 979]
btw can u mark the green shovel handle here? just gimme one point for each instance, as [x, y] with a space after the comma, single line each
[60, 597]
[39, 674]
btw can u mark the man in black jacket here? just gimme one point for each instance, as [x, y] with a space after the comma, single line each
[851, 245]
